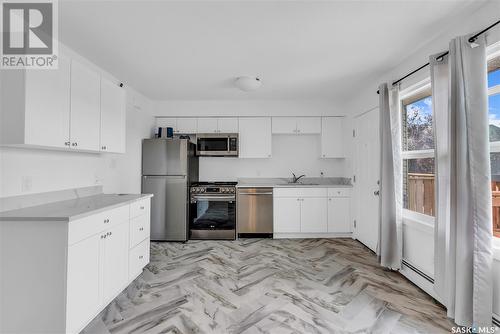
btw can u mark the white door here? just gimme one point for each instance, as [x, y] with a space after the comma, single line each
[308, 125]
[255, 137]
[367, 168]
[286, 211]
[284, 125]
[207, 125]
[85, 108]
[48, 106]
[227, 125]
[339, 215]
[186, 125]
[115, 261]
[83, 296]
[313, 215]
[113, 115]
[331, 137]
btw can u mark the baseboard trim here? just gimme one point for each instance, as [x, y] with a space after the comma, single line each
[310, 235]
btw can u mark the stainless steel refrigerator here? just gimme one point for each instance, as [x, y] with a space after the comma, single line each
[169, 166]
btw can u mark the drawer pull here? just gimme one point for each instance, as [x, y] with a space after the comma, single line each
[141, 229]
[140, 257]
[106, 221]
[142, 208]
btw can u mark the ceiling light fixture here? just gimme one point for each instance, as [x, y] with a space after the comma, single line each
[248, 84]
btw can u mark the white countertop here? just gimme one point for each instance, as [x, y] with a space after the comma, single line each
[72, 209]
[306, 182]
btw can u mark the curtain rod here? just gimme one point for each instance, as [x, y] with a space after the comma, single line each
[471, 40]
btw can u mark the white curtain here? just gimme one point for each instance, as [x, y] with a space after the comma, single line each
[440, 98]
[463, 254]
[389, 248]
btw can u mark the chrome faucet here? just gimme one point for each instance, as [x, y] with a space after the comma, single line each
[296, 179]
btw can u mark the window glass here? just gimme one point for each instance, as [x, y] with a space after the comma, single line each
[494, 78]
[495, 191]
[417, 125]
[418, 185]
[494, 115]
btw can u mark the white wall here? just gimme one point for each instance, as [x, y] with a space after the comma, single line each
[298, 154]
[29, 171]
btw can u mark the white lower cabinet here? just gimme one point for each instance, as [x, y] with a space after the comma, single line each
[314, 212]
[69, 271]
[313, 215]
[114, 261]
[339, 209]
[83, 296]
[286, 213]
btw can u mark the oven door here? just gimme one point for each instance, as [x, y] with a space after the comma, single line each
[213, 217]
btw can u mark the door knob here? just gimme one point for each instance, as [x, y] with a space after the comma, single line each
[376, 193]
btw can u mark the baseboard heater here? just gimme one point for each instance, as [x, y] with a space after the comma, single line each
[418, 271]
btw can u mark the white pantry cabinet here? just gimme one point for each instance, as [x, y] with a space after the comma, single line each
[60, 109]
[301, 212]
[255, 137]
[113, 114]
[332, 145]
[73, 268]
[296, 125]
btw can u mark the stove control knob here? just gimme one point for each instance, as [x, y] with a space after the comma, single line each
[202, 190]
[223, 190]
[232, 190]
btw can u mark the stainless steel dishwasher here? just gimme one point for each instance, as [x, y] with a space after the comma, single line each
[254, 209]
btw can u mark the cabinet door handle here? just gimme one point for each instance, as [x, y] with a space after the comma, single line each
[142, 208]
[376, 193]
[106, 221]
[67, 143]
[140, 257]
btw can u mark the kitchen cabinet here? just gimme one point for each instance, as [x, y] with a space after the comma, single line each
[85, 108]
[313, 215]
[227, 125]
[115, 245]
[286, 215]
[167, 122]
[339, 209]
[217, 125]
[61, 109]
[301, 212]
[113, 113]
[186, 125]
[332, 145]
[207, 125]
[83, 296]
[296, 125]
[255, 137]
[91, 262]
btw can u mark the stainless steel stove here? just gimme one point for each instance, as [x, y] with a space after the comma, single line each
[212, 211]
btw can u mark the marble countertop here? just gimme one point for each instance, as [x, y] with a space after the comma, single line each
[72, 209]
[306, 182]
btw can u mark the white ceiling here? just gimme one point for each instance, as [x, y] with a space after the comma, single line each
[301, 50]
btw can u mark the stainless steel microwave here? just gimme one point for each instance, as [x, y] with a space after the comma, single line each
[217, 145]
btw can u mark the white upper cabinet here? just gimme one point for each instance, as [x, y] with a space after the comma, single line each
[284, 125]
[255, 137]
[217, 125]
[332, 137]
[85, 108]
[296, 125]
[167, 122]
[48, 106]
[112, 117]
[65, 108]
[227, 124]
[308, 125]
[186, 125]
[207, 125]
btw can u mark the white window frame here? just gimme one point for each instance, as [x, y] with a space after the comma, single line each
[417, 154]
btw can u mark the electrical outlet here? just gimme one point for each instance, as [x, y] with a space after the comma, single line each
[26, 183]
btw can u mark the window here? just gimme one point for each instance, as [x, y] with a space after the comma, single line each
[418, 151]
[494, 116]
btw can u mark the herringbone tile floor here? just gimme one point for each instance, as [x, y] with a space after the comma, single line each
[270, 286]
